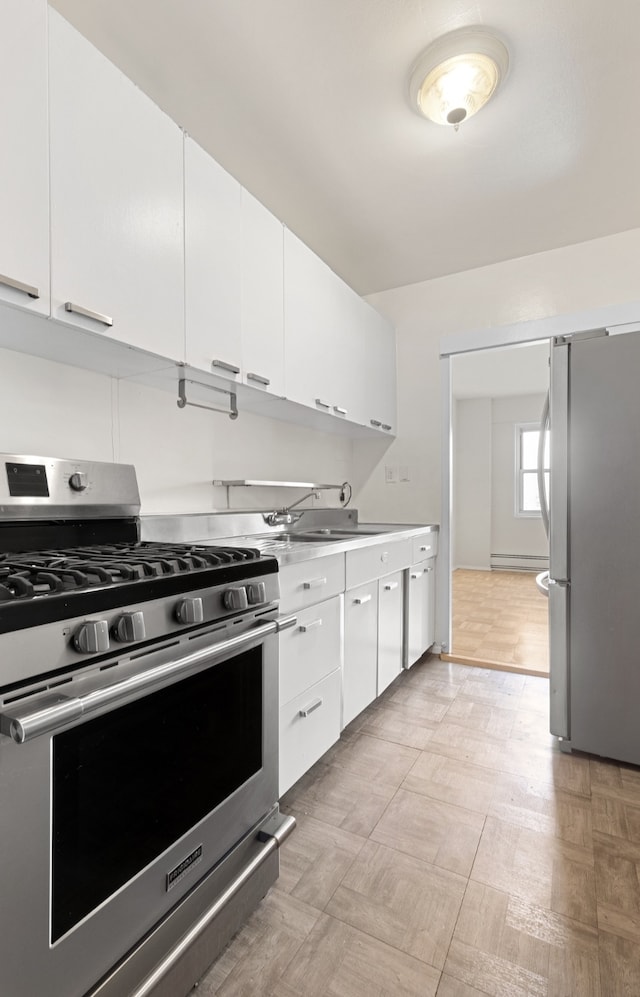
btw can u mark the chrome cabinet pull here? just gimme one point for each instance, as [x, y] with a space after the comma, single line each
[339, 410]
[18, 285]
[425, 547]
[316, 704]
[375, 422]
[54, 710]
[306, 627]
[87, 313]
[222, 365]
[416, 574]
[390, 586]
[322, 404]
[385, 425]
[259, 378]
[314, 583]
[361, 599]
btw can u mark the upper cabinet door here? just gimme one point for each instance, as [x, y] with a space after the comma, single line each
[212, 264]
[262, 297]
[379, 352]
[24, 163]
[117, 238]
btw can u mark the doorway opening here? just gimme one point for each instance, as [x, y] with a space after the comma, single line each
[499, 618]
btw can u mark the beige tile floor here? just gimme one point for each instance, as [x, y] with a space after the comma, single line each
[446, 847]
[499, 619]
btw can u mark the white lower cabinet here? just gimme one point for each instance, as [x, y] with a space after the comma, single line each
[309, 725]
[390, 621]
[360, 678]
[420, 611]
[310, 682]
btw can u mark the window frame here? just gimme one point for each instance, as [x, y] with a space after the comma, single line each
[520, 513]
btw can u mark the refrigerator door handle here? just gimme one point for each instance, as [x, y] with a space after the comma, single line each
[559, 672]
[542, 485]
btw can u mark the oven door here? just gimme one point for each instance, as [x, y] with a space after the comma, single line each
[110, 819]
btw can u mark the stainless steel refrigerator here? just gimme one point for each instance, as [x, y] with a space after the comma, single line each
[594, 521]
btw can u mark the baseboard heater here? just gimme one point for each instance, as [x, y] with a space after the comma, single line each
[519, 562]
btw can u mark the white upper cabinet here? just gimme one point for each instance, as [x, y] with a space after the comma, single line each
[379, 370]
[262, 297]
[212, 265]
[24, 163]
[117, 238]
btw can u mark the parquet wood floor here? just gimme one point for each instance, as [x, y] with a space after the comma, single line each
[499, 619]
[445, 847]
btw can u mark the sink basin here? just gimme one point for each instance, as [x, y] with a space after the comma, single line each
[324, 534]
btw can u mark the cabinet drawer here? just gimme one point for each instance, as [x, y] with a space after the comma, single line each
[311, 581]
[424, 547]
[311, 649]
[309, 725]
[369, 563]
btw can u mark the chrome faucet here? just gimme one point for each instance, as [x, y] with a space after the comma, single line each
[284, 517]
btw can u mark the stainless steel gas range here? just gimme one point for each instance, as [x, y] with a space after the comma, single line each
[138, 739]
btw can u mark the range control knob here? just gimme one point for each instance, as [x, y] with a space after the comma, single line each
[190, 611]
[92, 637]
[78, 481]
[256, 593]
[129, 627]
[236, 599]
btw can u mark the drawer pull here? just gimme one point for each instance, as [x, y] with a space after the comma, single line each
[315, 583]
[87, 313]
[339, 410]
[322, 404]
[316, 704]
[416, 574]
[425, 548]
[18, 285]
[259, 379]
[223, 365]
[361, 599]
[306, 627]
[390, 586]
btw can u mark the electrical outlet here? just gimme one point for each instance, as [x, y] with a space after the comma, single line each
[390, 474]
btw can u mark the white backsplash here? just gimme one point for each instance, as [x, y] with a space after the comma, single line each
[52, 409]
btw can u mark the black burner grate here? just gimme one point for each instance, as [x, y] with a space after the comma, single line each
[40, 573]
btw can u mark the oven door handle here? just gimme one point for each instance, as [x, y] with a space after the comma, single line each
[48, 713]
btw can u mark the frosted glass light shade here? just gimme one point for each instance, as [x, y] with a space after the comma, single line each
[456, 75]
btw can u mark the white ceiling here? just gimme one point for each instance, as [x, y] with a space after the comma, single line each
[304, 101]
[514, 370]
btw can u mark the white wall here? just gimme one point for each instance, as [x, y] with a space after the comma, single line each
[575, 278]
[51, 409]
[472, 483]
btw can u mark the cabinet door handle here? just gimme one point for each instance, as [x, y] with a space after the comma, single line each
[18, 285]
[222, 365]
[306, 627]
[416, 574]
[315, 583]
[322, 404]
[87, 313]
[375, 422]
[390, 586]
[385, 425]
[339, 410]
[425, 548]
[259, 378]
[361, 599]
[316, 704]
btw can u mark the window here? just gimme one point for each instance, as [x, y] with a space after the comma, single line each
[527, 497]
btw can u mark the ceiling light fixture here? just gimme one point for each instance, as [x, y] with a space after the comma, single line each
[457, 74]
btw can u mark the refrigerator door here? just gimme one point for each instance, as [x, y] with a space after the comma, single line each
[559, 659]
[559, 676]
[604, 546]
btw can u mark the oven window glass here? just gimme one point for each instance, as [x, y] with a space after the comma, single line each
[129, 784]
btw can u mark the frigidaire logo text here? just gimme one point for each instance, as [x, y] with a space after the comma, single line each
[183, 867]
